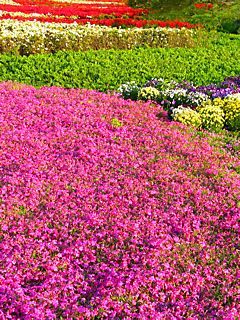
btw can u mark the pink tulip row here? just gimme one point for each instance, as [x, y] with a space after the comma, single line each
[108, 212]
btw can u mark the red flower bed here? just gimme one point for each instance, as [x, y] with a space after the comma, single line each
[108, 22]
[110, 14]
[203, 5]
[80, 11]
[62, 4]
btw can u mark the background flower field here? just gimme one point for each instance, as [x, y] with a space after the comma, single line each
[120, 162]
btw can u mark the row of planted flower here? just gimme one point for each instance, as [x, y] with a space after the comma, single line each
[28, 27]
[31, 37]
[211, 107]
[110, 14]
[56, 9]
[117, 22]
[108, 212]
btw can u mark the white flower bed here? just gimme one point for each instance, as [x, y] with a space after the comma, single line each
[41, 36]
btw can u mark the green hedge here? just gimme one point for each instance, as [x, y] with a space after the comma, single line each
[108, 69]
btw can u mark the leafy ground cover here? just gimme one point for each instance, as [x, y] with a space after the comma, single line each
[109, 212]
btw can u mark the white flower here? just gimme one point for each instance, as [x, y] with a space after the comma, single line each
[234, 96]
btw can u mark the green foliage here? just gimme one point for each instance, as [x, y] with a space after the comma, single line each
[161, 5]
[223, 17]
[115, 123]
[109, 69]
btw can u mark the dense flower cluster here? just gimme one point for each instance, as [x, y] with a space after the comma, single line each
[108, 22]
[107, 212]
[148, 93]
[129, 90]
[77, 10]
[214, 114]
[31, 37]
[203, 5]
[106, 13]
[229, 86]
[231, 108]
[172, 95]
[211, 115]
[187, 116]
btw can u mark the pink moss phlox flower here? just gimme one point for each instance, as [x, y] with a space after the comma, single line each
[132, 218]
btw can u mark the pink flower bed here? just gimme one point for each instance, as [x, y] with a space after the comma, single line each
[106, 219]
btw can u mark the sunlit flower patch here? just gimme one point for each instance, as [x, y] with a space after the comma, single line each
[78, 10]
[94, 12]
[217, 106]
[108, 212]
[116, 22]
[30, 37]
